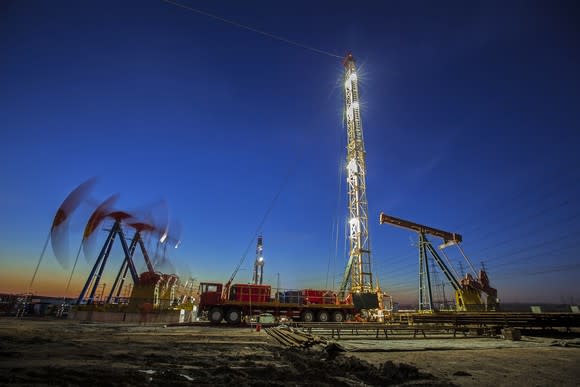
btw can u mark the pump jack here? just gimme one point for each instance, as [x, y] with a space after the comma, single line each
[467, 290]
[122, 274]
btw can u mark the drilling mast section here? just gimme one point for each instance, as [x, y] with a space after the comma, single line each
[358, 270]
[258, 277]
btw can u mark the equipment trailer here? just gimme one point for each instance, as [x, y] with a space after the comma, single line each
[247, 300]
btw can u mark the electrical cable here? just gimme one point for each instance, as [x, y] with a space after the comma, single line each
[533, 247]
[547, 270]
[528, 258]
[265, 217]
[72, 272]
[504, 204]
[39, 262]
[515, 237]
[336, 222]
[264, 33]
[519, 221]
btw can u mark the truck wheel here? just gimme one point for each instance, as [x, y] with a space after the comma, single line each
[234, 316]
[322, 316]
[216, 315]
[337, 317]
[307, 316]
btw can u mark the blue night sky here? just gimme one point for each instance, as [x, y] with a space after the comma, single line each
[470, 113]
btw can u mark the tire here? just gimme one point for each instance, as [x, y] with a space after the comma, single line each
[234, 316]
[322, 316]
[337, 317]
[216, 315]
[307, 316]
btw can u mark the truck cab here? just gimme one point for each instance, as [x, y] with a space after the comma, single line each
[210, 293]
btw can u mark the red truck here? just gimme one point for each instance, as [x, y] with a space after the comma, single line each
[246, 300]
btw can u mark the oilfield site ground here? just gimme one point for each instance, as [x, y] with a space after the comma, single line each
[35, 351]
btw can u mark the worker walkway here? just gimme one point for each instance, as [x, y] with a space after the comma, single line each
[488, 320]
[301, 338]
[446, 324]
[378, 330]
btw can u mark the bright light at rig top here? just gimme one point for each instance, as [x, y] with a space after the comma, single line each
[352, 166]
[351, 78]
[163, 237]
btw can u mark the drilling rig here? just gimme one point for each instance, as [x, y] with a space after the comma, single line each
[357, 281]
[357, 293]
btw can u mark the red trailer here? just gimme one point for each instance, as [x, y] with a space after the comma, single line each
[250, 293]
[247, 300]
[312, 296]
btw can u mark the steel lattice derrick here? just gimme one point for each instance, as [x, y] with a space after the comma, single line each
[358, 272]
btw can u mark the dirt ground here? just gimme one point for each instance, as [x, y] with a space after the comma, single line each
[64, 352]
[550, 366]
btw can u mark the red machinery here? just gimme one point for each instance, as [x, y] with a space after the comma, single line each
[246, 300]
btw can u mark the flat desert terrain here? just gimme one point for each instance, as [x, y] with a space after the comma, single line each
[68, 352]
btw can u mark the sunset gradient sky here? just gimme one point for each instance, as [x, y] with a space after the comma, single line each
[469, 110]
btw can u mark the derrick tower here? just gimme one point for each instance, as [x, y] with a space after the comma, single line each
[358, 271]
[259, 263]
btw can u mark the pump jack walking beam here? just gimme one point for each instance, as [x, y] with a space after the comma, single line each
[445, 235]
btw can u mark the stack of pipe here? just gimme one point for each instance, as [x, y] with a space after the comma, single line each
[292, 338]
